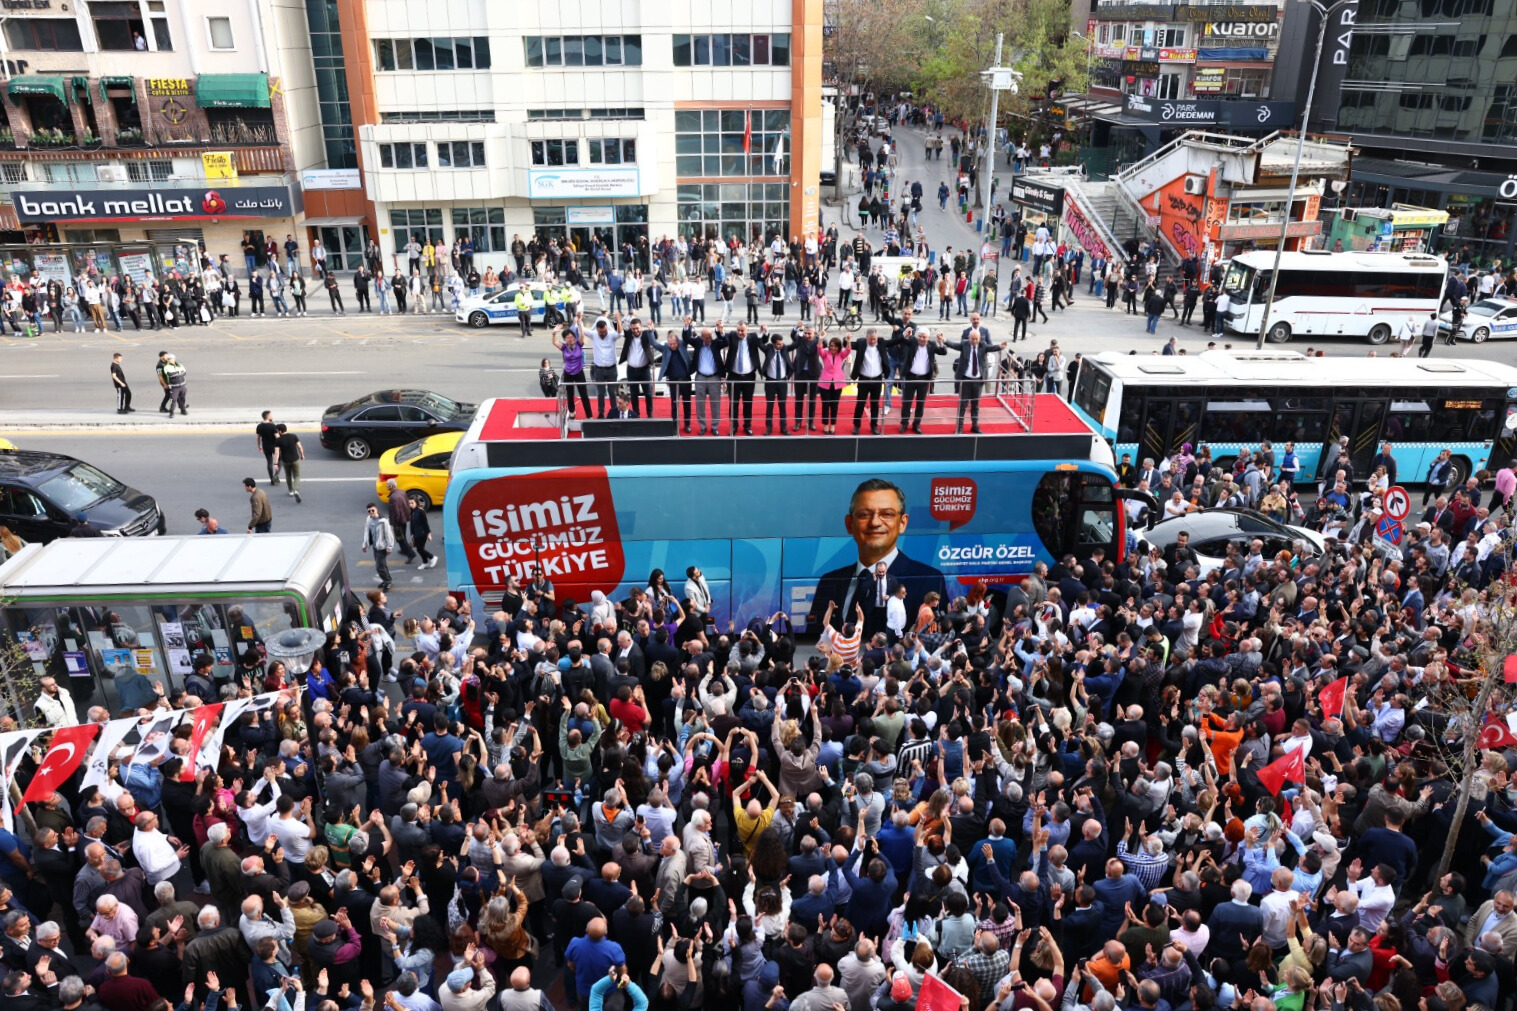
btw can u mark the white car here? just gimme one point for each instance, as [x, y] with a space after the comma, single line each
[1213, 531]
[481, 311]
[1487, 318]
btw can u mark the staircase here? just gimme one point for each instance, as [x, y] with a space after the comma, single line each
[1096, 203]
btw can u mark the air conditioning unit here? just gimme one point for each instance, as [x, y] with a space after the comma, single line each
[1195, 185]
[111, 173]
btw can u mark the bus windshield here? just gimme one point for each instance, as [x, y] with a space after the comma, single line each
[1238, 282]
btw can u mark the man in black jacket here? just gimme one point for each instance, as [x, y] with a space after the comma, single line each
[919, 367]
[777, 369]
[743, 354]
[806, 364]
[972, 369]
[637, 355]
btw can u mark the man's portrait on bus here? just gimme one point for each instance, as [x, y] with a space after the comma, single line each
[877, 517]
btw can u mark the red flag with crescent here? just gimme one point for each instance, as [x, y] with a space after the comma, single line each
[65, 754]
[1331, 698]
[1496, 734]
[1291, 768]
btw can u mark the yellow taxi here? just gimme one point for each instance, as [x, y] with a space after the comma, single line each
[6, 444]
[420, 469]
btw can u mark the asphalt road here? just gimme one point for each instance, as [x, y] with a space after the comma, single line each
[188, 471]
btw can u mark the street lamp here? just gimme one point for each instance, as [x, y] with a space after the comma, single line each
[1290, 194]
[999, 79]
[296, 647]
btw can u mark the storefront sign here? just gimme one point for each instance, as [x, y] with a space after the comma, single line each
[331, 179]
[1037, 195]
[605, 215]
[1241, 30]
[26, 5]
[164, 87]
[1416, 219]
[1296, 229]
[1177, 56]
[1243, 115]
[218, 164]
[1228, 12]
[1209, 79]
[1111, 52]
[1141, 68]
[165, 203]
[1136, 12]
[570, 183]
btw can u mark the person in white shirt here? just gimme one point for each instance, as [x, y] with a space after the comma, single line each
[696, 591]
[1277, 907]
[294, 829]
[895, 614]
[55, 705]
[255, 816]
[1376, 896]
[159, 856]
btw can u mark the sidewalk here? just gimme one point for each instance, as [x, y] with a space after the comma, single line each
[148, 419]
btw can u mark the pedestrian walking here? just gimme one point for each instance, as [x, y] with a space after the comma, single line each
[400, 518]
[266, 437]
[420, 529]
[123, 391]
[1429, 335]
[379, 535]
[1410, 331]
[288, 453]
[260, 513]
[177, 377]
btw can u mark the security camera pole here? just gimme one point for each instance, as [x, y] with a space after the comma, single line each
[1000, 79]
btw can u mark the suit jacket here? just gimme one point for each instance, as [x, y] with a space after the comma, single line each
[718, 356]
[919, 579]
[860, 346]
[875, 614]
[1082, 932]
[645, 338]
[730, 344]
[1506, 927]
[908, 354]
[962, 346]
[787, 355]
[678, 363]
[806, 357]
[636, 663]
[1445, 519]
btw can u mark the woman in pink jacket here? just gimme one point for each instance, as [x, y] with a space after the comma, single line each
[834, 378]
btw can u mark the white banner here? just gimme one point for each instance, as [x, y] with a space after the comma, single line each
[155, 737]
[12, 749]
[97, 769]
[209, 756]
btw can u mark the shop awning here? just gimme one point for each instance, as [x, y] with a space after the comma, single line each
[32, 84]
[232, 91]
[117, 82]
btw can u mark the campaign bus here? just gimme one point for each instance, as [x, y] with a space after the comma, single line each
[773, 524]
[1150, 406]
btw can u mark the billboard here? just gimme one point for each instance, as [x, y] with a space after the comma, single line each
[790, 539]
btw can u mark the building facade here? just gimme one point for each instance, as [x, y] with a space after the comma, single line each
[618, 121]
[136, 130]
[1429, 94]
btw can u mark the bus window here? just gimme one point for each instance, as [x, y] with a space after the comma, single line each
[1098, 522]
[1156, 429]
[1187, 423]
[1302, 429]
[1131, 417]
[1092, 390]
[1053, 511]
[1236, 420]
[255, 621]
[1409, 421]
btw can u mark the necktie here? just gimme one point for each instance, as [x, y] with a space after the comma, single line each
[880, 600]
[974, 363]
[860, 594]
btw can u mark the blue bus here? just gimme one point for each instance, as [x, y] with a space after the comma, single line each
[782, 524]
[1149, 406]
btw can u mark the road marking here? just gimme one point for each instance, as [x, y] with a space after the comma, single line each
[323, 372]
[50, 375]
[307, 480]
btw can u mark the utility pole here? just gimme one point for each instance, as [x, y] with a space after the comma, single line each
[998, 79]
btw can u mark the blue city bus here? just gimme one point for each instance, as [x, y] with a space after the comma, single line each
[772, 523]
[1149, 406]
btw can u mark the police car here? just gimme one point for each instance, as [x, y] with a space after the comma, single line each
[500, 306]
[1487, 318]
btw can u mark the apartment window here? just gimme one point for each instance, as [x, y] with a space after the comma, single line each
[118, 24]
[485, 225]
[437, 53]
[729, 50]
[631, 112]
[425, 225]
[220, 32]
[710, 143]
[149, 171]
[583, 50]
[403, 156]
[745, 210]
[555, 152]
[1172, 38]
[612, 151]
[440, 116]
[617, 113]
[461, 154]
[58, 35]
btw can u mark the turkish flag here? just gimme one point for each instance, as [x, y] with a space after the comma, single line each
[1496, 734]
[205, 718]
[64, 755]
[1509, 669]
[1291, 768]
[936, 995]
[1331, 698]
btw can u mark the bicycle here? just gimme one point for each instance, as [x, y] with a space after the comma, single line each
[850, 322]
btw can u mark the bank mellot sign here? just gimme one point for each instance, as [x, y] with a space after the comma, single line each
[156, 204]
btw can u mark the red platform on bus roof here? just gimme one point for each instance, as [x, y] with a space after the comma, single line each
[533, 418]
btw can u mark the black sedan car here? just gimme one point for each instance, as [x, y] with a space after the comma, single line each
[42, 496]
[391, 418]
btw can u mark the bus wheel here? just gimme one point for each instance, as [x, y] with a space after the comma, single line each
[1380, 333]
[478, 320]
[356, 448]
[1461, 468]
[1481, 334]
[422, 499]
[1279, 333]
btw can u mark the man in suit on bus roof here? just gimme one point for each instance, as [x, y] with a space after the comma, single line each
[876, 519]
